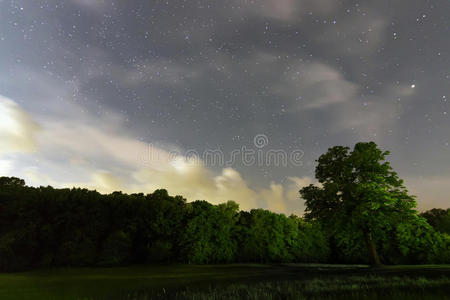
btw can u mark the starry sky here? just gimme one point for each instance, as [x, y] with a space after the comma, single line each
[101, 94]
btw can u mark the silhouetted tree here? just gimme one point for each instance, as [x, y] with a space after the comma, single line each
[439, 219]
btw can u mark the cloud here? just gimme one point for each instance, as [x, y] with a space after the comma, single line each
[274, 196]
[98, 155]
[6, 165]
[288, 10]
[90, 143]
[372, 117]
[97, 6]
[401, 90]
[313, 85]
[106, 182]
[285, 198]
[194, 181]
[50, 97]
[364, 118]
[100, 65]
[161, 72]
[231, 186]
[17, 129]
[306, 88]
[295, 184]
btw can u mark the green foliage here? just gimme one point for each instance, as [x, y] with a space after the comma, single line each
[46, 227]
[208, 234]
[363, 203]
[262, 240]
[307, 241]
[269, 237]
[349, 246]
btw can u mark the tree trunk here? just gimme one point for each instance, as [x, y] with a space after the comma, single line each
[375, 259]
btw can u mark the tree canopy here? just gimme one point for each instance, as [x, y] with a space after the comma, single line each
[361, 196]
[44, 227]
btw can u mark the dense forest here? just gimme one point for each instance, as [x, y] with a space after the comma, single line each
[46, 227]
[42, 227]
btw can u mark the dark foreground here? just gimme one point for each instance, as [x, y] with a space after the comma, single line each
[250, 281]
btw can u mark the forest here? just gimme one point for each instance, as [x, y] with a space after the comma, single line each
[360, 213]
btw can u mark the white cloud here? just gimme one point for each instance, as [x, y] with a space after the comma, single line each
[98, 155]
[17, 129]
[285, 198]
[194, 181]
[6, 165]
[274, 197]
[106, 182]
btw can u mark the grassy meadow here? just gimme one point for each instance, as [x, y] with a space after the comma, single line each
[249, 281]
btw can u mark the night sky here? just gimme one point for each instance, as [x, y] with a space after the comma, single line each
[101, 94]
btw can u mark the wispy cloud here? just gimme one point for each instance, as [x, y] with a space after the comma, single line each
[288, 10]
[309, 85]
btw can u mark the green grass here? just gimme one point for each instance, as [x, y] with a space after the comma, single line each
[249, 281]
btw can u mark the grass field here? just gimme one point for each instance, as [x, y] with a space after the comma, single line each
[249, 281]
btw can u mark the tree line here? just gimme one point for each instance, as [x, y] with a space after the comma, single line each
[360, 213]
[46, 227]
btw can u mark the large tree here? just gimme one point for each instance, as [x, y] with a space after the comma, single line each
[360, 190]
